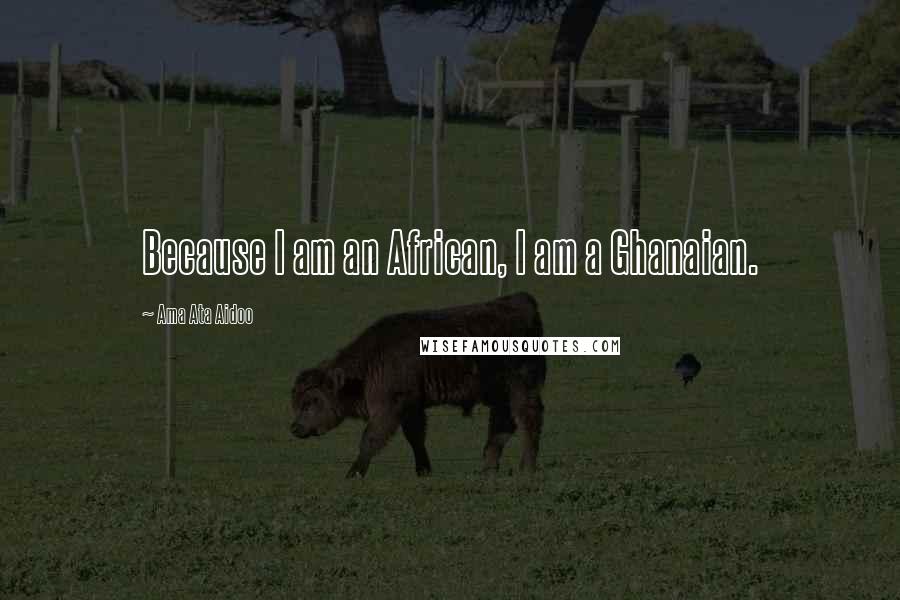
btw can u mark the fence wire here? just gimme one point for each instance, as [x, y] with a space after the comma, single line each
[263, 174]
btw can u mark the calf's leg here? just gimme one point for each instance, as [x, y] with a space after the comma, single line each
[375, 436]
[414, 428]
[528, 412]
[501, 426]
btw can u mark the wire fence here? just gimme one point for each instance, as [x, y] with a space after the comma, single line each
[770, 107]
[51, 155]
[263, 173]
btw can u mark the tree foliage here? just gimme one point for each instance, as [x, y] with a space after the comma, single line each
[490, 15]
[311, 15]
[355, 25]
[319, 15]
[859, 78]
[720, 54]
[632, 47]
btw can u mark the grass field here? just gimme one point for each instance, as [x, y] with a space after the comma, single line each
[746, 484]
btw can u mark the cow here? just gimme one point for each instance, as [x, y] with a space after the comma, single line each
[382, 379]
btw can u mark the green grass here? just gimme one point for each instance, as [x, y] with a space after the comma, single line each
[746, 484]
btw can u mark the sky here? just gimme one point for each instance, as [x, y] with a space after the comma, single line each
[138, 34]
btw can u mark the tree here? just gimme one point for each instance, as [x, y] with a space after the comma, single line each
[631, 47]
[495, 16]
[577, 19]
[355, 24]
[357, 30]
[721, 54]
[575, 28]
[859, 78]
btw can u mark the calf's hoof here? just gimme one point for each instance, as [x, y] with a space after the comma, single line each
[356, 472]
[490, 468]
[491, 459]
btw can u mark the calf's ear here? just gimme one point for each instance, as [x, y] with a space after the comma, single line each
[337, 378]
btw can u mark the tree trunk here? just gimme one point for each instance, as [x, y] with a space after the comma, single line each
[366, 80]
[575, 28]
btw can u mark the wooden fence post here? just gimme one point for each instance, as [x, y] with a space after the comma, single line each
[690, 206]
[420, 99]
[865, 195]
[85, 221]
[54, 93]
[20, 150]
[570, 203]
[288, 92]
[463, 96]
[502, 280]
[315, 90]
[20, 79]
[412, 168]
[440, 101]
[480, 97]
[630, 175]
[767, 99]
[212, 209]
[192, 95]
[681, 108]
[525, 175]
[435, 185]
[731, 178]
[804, 106]
[670, 60]
[309, 171]
[124, 155]
[334, 163]
[636, 96]
[170, 381]
[851, 157]
[162, 97]
[571, 116]
[554, 120]
[859, 272]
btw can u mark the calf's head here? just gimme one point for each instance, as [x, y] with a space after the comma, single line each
[315, 400]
